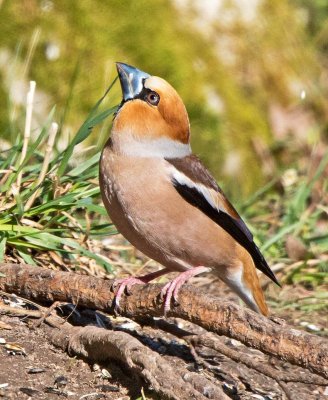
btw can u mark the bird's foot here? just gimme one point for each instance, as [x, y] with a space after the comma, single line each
[171, 289]
[125, 285]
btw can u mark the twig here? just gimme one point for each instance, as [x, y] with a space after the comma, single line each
[54, 321]
[24, 300]
[27, 130]
[32, 46]
[6, 173]
[49, 147]
[19, 312]
[45, 314]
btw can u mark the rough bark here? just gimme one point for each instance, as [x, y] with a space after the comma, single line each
[217, 343]
[211, 313]
[100, 345]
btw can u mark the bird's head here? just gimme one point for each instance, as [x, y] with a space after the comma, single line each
[152, 119]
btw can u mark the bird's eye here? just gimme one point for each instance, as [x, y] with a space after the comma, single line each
[152, 98]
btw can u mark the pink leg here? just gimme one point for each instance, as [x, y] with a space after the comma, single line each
[126, 284]
[171, 289]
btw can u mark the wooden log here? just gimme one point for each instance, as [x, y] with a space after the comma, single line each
[213, 314]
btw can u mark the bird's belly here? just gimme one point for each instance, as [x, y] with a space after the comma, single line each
[151, 215]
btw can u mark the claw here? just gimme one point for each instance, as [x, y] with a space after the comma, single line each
[124, 285]
[172, 288]
[169, 291]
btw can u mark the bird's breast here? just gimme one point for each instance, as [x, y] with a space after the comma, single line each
[146, 208]
[134, 192]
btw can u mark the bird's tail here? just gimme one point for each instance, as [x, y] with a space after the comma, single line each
[246, 284]
[253, 283]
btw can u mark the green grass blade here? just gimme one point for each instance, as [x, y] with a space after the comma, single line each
[258, 194]
[85, 130]
[80, 169]
[279, 235]
[31, 151]
[25, 256]
[3, 242]
[299, 204]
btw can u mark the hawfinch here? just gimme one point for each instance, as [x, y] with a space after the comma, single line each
[164, 200]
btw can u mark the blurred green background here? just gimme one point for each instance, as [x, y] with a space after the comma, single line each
[253, 74]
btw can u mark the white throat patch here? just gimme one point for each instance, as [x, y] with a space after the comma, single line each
[161, 148]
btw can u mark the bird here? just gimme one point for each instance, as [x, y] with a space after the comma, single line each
[166, 203]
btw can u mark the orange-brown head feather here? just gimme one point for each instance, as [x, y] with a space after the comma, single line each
[168, 119]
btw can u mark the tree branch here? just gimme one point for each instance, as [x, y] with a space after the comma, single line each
[223, 318]
[216, 343]
[208, 340]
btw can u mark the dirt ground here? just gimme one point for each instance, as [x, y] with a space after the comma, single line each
[31, 368]
[41, 371]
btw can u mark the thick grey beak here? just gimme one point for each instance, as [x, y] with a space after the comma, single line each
[131, 80]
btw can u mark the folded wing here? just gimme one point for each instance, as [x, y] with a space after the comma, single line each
[195, 184]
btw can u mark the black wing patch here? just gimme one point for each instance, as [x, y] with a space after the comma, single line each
[236, 228]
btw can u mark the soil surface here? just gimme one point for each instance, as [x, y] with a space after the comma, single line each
[41, 371]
